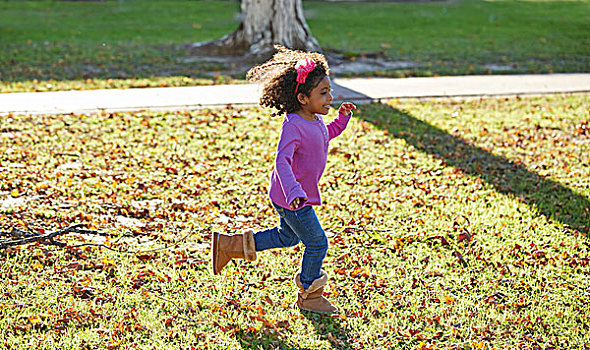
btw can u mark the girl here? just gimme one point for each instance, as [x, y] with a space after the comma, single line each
[296, 83]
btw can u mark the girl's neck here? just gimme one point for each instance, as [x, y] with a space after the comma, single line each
[307, 115]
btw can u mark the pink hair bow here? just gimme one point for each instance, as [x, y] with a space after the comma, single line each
[303, 67]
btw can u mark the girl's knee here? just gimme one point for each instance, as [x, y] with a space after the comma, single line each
[319, 244]
[293, 241]
[288, 238]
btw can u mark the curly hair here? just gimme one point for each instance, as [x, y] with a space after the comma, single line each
[279, 78]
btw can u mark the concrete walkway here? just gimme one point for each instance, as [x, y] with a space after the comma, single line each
[357, 90]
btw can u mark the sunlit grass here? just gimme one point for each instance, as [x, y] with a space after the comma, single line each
[452, 224]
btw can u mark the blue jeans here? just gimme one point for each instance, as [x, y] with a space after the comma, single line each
[295, 226]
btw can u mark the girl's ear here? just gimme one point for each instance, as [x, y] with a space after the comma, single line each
[302, 98]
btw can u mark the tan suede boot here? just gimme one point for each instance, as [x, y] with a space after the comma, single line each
[227, 247]
[311, 299]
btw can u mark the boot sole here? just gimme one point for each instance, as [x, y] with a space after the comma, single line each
[214, 252]
[315, 311]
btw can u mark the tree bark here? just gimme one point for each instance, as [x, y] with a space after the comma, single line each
[264, 24]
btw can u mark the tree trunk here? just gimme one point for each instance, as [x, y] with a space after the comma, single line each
[264, 23]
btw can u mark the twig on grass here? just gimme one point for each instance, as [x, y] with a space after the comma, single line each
[68, 154]
[173, 303]
[30, 238]
[98, 246]
[18, 233]
[365, 229]
[176, 244]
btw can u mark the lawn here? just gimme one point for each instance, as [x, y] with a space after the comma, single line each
[60, 45]
[453, 224]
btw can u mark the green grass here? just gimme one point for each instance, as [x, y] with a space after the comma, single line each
[406, 186]
[55, 45]
[65, 41]
[462, 37]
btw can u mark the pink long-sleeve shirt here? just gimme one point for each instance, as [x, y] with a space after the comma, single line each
[301, 158]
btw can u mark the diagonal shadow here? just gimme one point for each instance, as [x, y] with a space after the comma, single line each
[550, 198]
[341, 94]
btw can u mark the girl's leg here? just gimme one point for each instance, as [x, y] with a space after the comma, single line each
[277, 237]
[302, 225]
[307, 227]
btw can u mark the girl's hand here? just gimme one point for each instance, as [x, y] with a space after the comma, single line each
[346, 108]
[297, 202]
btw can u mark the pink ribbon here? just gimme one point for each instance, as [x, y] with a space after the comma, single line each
[304, 66]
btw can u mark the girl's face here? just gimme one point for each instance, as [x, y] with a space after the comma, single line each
[319, 98]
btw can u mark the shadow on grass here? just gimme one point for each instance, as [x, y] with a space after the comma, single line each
[329, 328]
[550, 198]
[326, 327]
[263, 340]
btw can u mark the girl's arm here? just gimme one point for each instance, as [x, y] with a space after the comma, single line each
[337, 126]
[289, 140]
